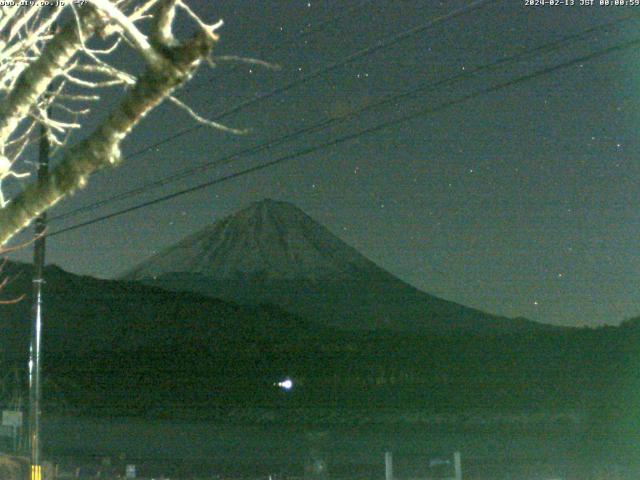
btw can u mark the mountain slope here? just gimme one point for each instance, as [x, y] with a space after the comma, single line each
[84, 315]
[124, 348]
[271, 239]
[272, 252]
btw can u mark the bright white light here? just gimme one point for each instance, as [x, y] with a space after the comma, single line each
[287, 384]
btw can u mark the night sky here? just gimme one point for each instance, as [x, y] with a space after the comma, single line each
[520, 202]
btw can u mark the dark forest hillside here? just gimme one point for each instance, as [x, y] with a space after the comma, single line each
[121, 347]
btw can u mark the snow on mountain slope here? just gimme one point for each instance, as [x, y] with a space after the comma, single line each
[272, 252]
[268, 238]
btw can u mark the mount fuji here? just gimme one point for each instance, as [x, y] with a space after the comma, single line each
[273, 253]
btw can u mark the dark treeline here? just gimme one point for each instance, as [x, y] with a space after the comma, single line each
[121, 348]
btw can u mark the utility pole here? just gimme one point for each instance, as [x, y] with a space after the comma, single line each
[35, 351]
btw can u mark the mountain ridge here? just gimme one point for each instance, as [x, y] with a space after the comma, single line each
[273, 252]
[307, 250]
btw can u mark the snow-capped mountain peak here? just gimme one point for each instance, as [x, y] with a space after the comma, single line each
[268, 238]
[272, 252]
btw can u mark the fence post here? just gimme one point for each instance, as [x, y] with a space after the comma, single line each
[457, 465]
[388, 466]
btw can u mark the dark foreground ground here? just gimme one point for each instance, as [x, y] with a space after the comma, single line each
[186, 449]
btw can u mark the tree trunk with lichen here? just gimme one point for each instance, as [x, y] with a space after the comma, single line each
[102, 147]
[35, 80]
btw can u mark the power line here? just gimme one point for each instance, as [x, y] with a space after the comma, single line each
[348, 137]
[287, 40]
[381, 44]
[318, 27]
[549, 46]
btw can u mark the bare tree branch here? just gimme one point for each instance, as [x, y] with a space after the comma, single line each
[102, 147]
[35, 79]
[137, 38]
[205, 121]
[44, 74]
